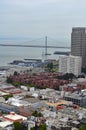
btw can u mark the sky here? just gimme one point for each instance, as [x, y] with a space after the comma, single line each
[37, 18]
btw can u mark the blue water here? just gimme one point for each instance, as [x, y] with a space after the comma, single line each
[8, 54]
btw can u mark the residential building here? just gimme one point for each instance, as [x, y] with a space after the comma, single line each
[78, 43]
[70, 64]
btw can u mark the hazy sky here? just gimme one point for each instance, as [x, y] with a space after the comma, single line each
[41, 17]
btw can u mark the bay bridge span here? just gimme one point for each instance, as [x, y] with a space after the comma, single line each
[38, 46]
[46, 44]
[29, 44]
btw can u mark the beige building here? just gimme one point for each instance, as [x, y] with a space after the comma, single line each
[70, 64]
[78, 43]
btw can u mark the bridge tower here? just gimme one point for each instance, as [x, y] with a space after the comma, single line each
[45, 47]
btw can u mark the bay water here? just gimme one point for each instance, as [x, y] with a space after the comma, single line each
[10, 53]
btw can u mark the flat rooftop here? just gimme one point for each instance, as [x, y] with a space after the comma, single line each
[4, 124]
[13, 117]
[57, 103]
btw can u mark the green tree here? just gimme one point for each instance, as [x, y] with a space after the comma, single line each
[37, 114]
[15, 73]
[68, 76]
[50, 66]
[17, 84]
[6, 97]
[9, 80]
[83, 127]
[40, 114]
[43, 127]
[33, 128]
[17, 126]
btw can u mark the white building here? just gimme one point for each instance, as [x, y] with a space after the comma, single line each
[70, 64]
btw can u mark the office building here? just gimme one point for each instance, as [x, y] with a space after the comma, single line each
[78, 99]
[78, 43]
[70, 64]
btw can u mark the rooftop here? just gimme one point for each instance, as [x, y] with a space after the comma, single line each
[13, 117]
[4, 124]
[60, 102]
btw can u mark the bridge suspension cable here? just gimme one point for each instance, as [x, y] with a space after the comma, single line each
[30, 44]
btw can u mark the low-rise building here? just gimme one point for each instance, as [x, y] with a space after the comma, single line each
[5, 124]
[13, 117]
[6, 108]
[26, 111]
[76, 98]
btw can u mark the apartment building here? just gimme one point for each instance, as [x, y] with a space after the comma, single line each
[70, 64]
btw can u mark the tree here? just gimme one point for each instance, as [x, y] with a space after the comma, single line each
[67, 76]
[71, 76]
[17, 126]
[81, 76]
[6, 97]
[83, 128]
[33, 128]
[15, 73]
[84, 70]
[9, 80]
[43, 127]
[17, 84]
[50, 66]
[37, 114]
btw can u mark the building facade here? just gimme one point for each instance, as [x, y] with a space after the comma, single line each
[78, 43]
[70, 64]
[78, 99]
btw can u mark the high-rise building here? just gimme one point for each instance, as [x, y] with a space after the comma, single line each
[78, 43]
[70, 64]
